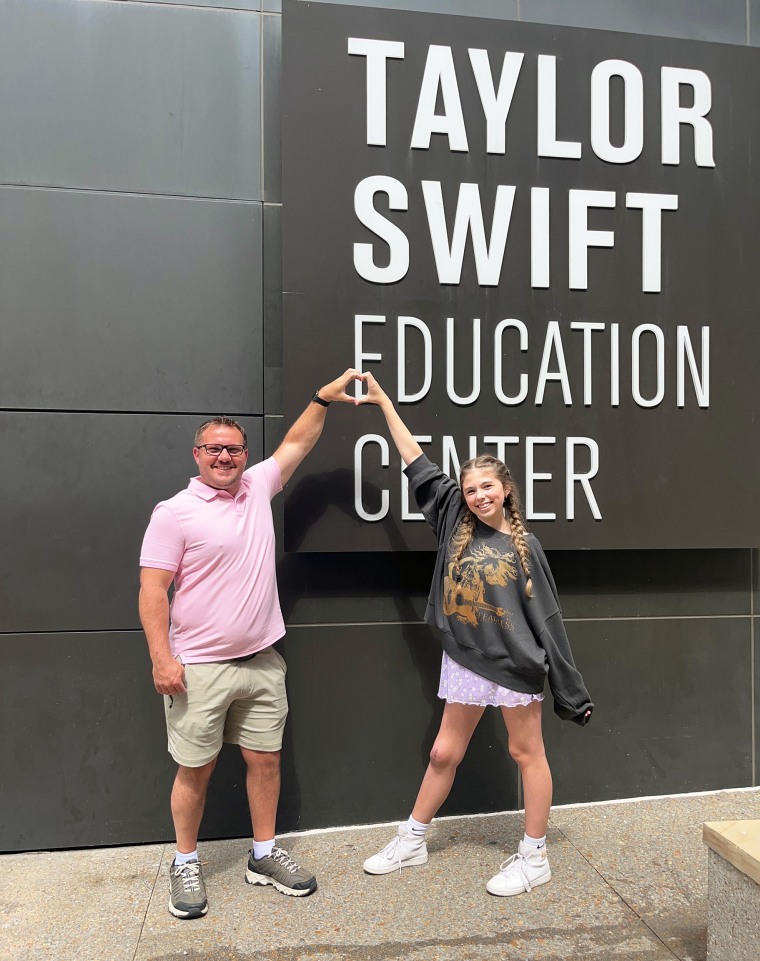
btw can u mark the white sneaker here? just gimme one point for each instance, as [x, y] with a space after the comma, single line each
[523, 871]
[405, 850]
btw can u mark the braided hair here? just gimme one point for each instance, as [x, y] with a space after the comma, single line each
[465, 530]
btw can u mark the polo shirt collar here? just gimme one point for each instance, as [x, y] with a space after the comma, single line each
[206, 493]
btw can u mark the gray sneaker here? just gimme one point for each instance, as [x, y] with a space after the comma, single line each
[187, 892]
[282, 871]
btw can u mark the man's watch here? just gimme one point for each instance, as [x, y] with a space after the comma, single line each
[318, 400]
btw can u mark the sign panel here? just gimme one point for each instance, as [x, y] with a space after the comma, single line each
[544, 243]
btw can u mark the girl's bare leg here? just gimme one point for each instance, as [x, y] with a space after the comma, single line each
[526, 745]
[457, 726]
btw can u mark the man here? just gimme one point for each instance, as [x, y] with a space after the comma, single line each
[213, 658]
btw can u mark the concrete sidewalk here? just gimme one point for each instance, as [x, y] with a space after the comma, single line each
[629, 883]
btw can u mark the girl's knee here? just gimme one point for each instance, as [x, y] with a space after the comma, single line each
[445, 755]
[523, 753]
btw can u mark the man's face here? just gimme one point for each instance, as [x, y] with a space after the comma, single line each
[222, 471]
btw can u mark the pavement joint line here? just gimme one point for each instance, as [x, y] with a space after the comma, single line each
[617, 893]
[149, 900]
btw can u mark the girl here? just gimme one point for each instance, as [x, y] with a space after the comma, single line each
[493, 599]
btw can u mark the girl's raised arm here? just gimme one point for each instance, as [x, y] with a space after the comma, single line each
[407, 446]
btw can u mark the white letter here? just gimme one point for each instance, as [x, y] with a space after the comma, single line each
[450, 389]
[360, 355]
[531, 476]
[548, 145]
[652, 206]
[636, 365]
[614, 365]
[403, 323]
[539, 237]
[570, 444]
[406, 513]
[501, 445]
[385, 460]
[439, 73]
[469, 214]
[364, 262]
[376, 52]
[673, 115]
[701, 387]
[496, 105]
[450, 461]
[587, 327]
[633, 84]
[498, 356]
[581, 238]
[553, 338]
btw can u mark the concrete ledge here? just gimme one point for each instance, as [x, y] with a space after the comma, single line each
[733, 890]
[738, 842]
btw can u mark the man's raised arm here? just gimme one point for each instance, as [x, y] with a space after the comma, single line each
[305, 432]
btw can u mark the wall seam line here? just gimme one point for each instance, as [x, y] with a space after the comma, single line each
[105, 192]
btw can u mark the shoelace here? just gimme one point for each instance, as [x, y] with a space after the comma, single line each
[282, 857]
[190, 874]
[393, 850]
[516, 865]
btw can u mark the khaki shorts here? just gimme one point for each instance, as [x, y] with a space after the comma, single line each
[240, 702]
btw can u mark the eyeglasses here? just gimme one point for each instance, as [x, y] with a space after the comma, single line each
[214, 450]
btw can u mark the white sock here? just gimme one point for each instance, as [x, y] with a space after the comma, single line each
[262, 849]
[417, 828]
[180, 858]
[535, 844]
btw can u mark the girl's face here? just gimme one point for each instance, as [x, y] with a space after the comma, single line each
[484, 494]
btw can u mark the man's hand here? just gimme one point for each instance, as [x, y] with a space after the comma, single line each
[169, 676]
[337, 389]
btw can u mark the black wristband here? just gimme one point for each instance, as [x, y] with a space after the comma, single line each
[318, 400]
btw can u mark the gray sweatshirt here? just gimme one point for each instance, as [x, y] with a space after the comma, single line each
[487, 622]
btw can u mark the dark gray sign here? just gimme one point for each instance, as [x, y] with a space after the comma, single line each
[543, 242]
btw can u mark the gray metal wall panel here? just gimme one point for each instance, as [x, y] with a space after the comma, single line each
[130, 96]
[83, 756]
[110, 781]
[753, 18]
[723, 21]
[272, 279]
[340, 766]
[688, 583]
[113, 302]
[495, 9]
[231, 4]
[74, 510]
[272, 109]
[673, 710]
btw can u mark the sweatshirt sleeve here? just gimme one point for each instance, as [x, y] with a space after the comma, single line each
[571, 699]
[435, 492]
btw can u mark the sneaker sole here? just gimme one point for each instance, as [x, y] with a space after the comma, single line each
[252, 878]
[190, 915]
[511, 894]
[390, 868]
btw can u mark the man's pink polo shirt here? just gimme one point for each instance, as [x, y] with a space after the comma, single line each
[222, 552]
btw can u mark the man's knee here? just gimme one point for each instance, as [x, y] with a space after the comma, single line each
[195, 775]
[262, 762]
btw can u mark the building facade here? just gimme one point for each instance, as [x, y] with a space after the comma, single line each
[141, 290]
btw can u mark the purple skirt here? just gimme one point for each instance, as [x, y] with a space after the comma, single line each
[460, 686]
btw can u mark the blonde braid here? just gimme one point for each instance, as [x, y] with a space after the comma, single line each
[517, 524]
[460, 539]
